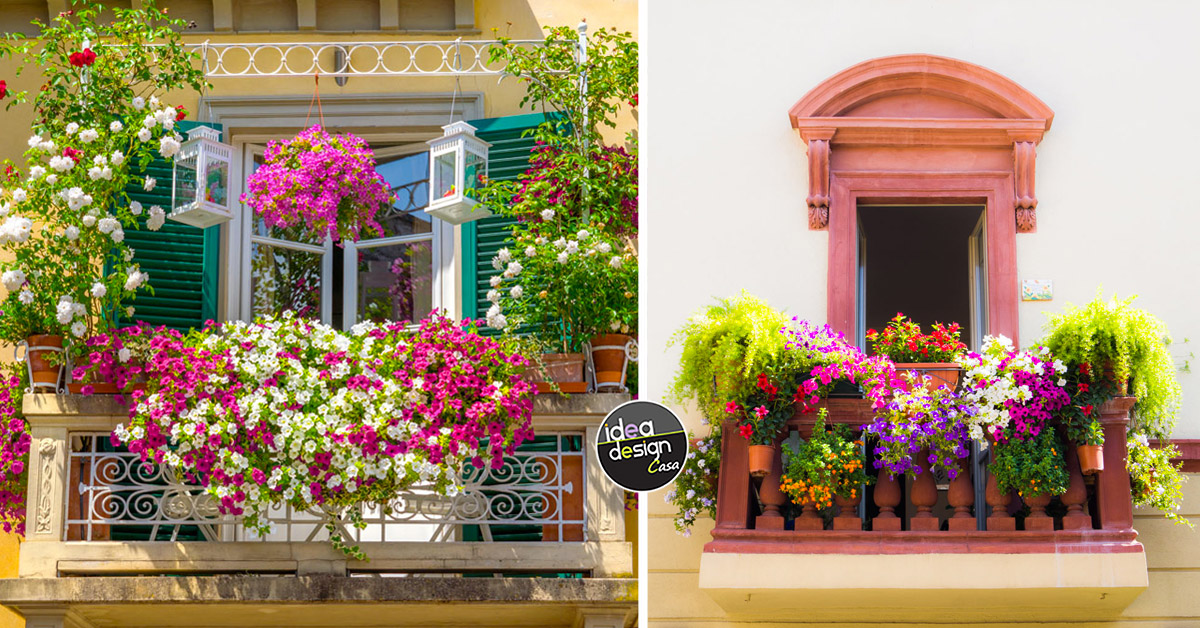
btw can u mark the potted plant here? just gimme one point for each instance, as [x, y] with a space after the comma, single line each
[921, 427]
[934, 354]
[1009, 387]
[1156, 481]
[827, 465]
[1035, 466]
[1080, 419]
[63, 220]
[324, 184]
[568, 272]
[763, 410]
[115, 361]
[723, 348]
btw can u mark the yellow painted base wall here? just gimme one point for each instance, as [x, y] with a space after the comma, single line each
[1172, 552]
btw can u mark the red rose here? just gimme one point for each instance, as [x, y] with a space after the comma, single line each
[74, 153]
[180, 114]
[84, 58]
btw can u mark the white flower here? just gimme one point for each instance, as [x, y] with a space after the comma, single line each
[144, 135]
[560, 243]
[149, 122]
[604, 247]
[117, 235]
[615, 262]
[116, 126]
[72, 233]
[78, 329]
[26, 296]
[168, 147]
[61, 164]
[13, 279]
[493, 311]
[514, 269]
[95, 172]
[516, 292]
[88, 136]
[547, 214]
[530, 251]
[498, 321]
[36, 172]
[89, 220]
[572, 246]
[615, 325]
[65, 310]
[157, 218]
[34, 141]
[129, 311]
[98, 290]
[48, 146]
[496, 263]
[495, 280]
[51, 178]
[76, 198]
[72, 128]
[117, 158]
[19, 195]
[139, 103]
[135, 279]
[100, 160]
[153, 101]
[4, 208]
[493, 295]
[124, 354]
[149, 184]
[583, 234]
[539, 240]
[504, 255]
[15, 229]
[108, 224]
[563, 257]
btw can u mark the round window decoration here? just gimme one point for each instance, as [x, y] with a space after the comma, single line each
[642, 446]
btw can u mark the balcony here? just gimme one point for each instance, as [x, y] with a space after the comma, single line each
[965, 555]
[541, 539]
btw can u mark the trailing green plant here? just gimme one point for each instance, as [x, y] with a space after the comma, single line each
[1033, 466]
[723, 348]
[695, 490]
[1155, 481]
[829, 464]
[1114, 336]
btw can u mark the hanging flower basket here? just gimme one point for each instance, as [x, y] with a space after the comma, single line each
[322, 182]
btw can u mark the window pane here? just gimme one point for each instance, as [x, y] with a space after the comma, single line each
[408, 177]
[395, 282]
[283, 279]
[294, 233]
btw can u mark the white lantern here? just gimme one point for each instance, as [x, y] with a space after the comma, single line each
[457, 166]
[200, 190]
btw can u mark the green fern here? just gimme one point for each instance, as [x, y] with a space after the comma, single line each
[1134, 344]
[724, 347]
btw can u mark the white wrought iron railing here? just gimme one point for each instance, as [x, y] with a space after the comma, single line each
[112, 495]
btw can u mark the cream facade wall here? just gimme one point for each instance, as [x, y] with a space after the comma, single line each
[726, 181]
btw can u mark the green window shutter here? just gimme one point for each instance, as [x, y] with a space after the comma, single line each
[182, 260]
[481, 239]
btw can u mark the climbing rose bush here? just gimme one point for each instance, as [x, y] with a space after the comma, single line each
[1009, 386]
[14, 455]
[286, 410]
[326, 183]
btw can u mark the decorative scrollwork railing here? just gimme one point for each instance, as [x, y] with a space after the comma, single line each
[112, 495]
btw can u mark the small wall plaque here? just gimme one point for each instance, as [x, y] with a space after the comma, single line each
[1037, 290]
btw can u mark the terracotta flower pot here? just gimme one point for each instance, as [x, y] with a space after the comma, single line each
[563, 369]
[761, 458]
[609, 360]
[44, 372]
[1091, 458]
[940, 373]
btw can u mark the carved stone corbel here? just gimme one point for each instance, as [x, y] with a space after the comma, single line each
[1025, 199]
[818, 178]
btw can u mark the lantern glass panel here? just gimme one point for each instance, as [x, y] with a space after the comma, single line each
[443, 175]
[216, 181]
[476, 167]
[185, 184]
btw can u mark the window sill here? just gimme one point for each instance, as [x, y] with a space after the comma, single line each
[943, 577]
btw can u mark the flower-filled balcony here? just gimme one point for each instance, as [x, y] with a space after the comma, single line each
[998, 484]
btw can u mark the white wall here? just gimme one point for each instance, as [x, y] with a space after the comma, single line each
[725, 177]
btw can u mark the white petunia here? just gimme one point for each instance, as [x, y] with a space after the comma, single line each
[98, 290]
[87, 136]
[124, 354]
[157, 218]
[149, 184]
[78, 329]
[13, 279]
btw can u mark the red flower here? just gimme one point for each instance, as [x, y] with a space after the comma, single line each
[746, 431]
[74, 153]
[83, 58]
[3, 88]
[181, 113]
[1083, 387]
[1087, 410]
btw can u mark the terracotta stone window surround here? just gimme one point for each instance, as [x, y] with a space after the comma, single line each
[920, 129]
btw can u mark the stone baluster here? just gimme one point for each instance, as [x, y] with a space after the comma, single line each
[924, 496]
[887, 498]
[847, 518]
[999, 519]
[962, 496]
[809, 518]
[1076, 495]
[1038, 520]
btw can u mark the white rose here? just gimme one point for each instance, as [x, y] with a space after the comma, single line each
[34, 141]
[139, 103]
[72, 128]
[514, 269]
[583, 234]
[562, 257]
[118, 236]
[572, 246]
[72, 233]
[15, 229]
[94, 173]
[108, 224]
[493, 295]
[78, 329]
[530, 251]
[116, 126]
[13, 279]
[51, 178]
[26, 296]
[88, 136]
[36, 172]
[135, 208]
[149, 184]
[495, 280]
[61, 164]
[504, 255]
[547, 214]
[604, 247]
[615, 262]
[144, 135]
[89, 220]
[100, 160]
[64, 310]
[157, 218]
[117, 158]
[19, 195]
[149, 122]
[168, 147]
[98, 290]
[516, 292]
[49, 146]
